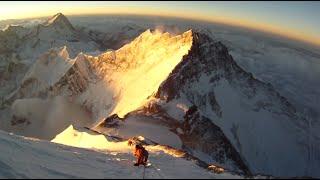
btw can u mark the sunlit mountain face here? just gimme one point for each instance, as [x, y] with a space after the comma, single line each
[231, 100]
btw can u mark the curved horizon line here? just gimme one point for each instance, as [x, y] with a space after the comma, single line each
[287, 35]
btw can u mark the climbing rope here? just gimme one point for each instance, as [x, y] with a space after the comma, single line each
[144, 170]
[156, 169]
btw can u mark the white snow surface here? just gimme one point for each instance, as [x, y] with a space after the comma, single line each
[266, 141]
[50, 67]
[145, 126]
[259, 136]
[22, 157]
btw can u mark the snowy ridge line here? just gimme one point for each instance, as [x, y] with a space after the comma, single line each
[175, 126]
[51, 160]
[177, 152]
[159, 113]
[210, 79]
[75, 82]
[118, 139]
[163, 115]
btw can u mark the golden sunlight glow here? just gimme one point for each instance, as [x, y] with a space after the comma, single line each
[134, 72]
[84, 139]
[75, 138]
[42, 11]
[154, 57]
[45, 9]
[254, 25]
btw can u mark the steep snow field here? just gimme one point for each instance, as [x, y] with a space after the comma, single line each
[31, 158]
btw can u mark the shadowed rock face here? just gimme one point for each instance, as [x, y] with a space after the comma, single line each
[59, 21]
[251, 114]
[201, 134]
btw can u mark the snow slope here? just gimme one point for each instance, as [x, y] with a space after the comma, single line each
[146, 126]
[188, 136]
[22, 157]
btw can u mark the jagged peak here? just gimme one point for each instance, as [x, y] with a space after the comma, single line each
[63, 52]
[189, 32]
[59, 18]
[148, 31]
[161, 31]
[155, 32]
[55, 18]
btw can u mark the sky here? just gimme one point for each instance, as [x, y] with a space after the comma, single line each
[296, 19]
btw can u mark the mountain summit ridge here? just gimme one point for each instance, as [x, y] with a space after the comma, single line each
[59, 19]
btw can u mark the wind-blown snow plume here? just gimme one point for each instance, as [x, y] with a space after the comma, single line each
[116, 82]
[140, 67]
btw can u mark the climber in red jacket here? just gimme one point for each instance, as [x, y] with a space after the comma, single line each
[141, 154]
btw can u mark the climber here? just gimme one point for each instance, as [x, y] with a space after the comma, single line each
[141, 154]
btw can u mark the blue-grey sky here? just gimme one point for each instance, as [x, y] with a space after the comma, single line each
[298, 19]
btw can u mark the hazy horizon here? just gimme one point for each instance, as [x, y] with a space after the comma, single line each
[241, 28]
[296, 20]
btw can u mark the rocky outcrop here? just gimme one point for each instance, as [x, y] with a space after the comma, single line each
[254, 117]
[200, 133]
[59, 21]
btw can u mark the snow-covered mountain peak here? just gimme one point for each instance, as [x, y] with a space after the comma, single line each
[115, 77]
[210, 79]
[59, 20]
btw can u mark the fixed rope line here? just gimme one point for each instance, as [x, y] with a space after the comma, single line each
[155, 168]
[144, 170]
